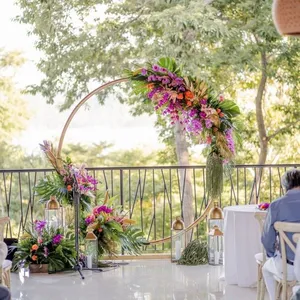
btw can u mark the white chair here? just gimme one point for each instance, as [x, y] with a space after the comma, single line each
[5, 265]
[260, 259]
[284, 287]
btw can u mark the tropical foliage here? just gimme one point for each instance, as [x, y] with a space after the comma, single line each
[65, 180]
[45, 245]
[187, 100]
[113, 230]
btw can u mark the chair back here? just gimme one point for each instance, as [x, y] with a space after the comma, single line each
[260, 216]
[296, 239]
[283, 228]
[3, 222]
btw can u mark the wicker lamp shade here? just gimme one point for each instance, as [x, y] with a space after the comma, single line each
[286, 16]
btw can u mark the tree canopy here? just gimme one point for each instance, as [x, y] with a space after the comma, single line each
[231, 44]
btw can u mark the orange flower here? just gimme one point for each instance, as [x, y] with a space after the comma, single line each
[221, 115]
[150, 86]
[34, 257]
[189, 95]
[69, 188]
[34, 247]
[180, 96]
[215, 129]
[218, 110]
[189, 103]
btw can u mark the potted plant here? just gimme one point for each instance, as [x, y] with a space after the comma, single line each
[45, 249]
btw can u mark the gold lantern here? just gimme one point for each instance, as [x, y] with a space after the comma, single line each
[91, 249]
[286, 16]
[54, 213]
[178, 239]
[215, 235]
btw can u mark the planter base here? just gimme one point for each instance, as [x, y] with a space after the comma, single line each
[43, 268]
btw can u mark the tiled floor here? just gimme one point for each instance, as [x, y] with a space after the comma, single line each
[143, 280]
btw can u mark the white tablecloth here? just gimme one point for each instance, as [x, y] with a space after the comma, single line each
[241, 243]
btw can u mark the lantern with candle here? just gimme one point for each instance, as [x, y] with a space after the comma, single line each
[91, 249]
[215, 236]
[54, 213]
[177, 239]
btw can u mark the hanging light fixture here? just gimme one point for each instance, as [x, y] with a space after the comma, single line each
[286, 17]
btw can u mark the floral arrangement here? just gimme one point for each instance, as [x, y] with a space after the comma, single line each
[263, 206]
[45, 245]
[113, 230]
[190, 101]
[66, 178]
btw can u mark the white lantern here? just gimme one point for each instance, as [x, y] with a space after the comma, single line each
[215, 236]
[54, 213]
[178, 239]
[91, 249]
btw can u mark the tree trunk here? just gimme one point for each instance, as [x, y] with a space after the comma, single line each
[262, 134]
[185, 186]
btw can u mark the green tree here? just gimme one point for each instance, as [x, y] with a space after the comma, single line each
[257, 58]
[13, 111]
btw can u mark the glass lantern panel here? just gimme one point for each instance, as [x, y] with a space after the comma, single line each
[91, 249]
[215, 250]
[216, 222]
[52, 217]
[178, 244]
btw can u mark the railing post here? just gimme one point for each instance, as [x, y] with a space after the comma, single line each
[121, 189]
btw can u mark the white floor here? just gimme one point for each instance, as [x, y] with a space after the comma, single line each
[143, 280]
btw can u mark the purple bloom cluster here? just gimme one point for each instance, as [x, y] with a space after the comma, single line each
[230, 141]
[86, 183]
[46, 146]
[194, 126]
[89, 219]
[208, 123]
[103, 208]
[57, 239]
[39, 225]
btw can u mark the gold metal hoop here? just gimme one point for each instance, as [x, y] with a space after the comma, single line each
[67, 124]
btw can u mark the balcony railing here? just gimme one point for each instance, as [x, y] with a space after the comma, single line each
[152, 196]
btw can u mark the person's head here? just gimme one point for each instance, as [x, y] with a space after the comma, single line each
[291, 179]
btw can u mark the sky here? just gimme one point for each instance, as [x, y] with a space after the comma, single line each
[111, 123]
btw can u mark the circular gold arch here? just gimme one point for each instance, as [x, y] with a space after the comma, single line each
[68, 122]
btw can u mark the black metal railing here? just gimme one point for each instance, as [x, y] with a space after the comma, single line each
[152, 196]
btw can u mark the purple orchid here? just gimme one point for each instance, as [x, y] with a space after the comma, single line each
[208, 123]
[57, 239]
[229, 139]
[39, 225]
[144, 72]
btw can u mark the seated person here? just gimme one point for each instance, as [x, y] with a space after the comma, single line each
[4, 293]
[284, 209]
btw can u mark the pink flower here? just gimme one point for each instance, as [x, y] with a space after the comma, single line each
[221, 98]
[208, 140]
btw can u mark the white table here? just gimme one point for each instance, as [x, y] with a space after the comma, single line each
[241, 243]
